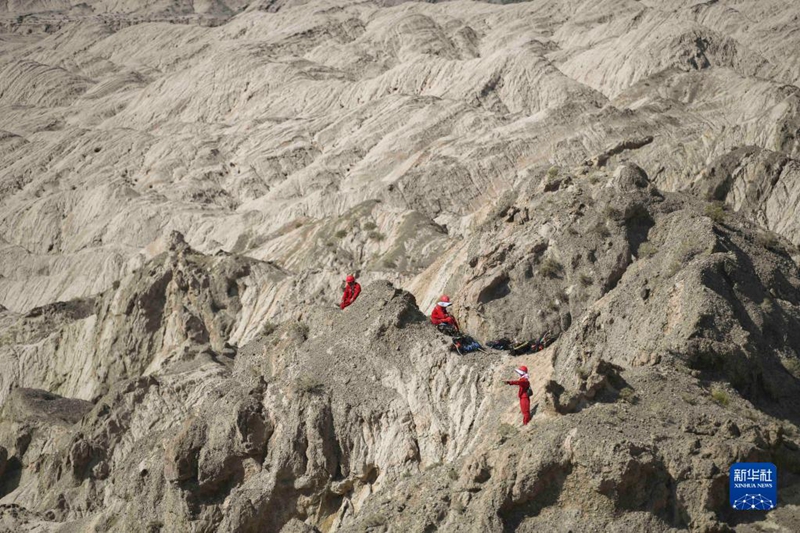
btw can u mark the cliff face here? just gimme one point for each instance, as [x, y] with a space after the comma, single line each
[184, 185]
[681, 359]
[274, 134]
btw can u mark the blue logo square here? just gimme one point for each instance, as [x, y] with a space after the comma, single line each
[753, 486]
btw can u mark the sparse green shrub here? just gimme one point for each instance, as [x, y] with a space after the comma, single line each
[628, 395]
[720, 397]
[686, 252]
[303, 329]
[375, 520]
[452, 474]
[594, 179]
[341, 234]
[688, 398]
[376, 236]
[268, 329]
[552, 172]
[330, 244]
[549, 268]
[583, 372]
[602, 230]
[506, 431]
[769, 240]
[502, 205]
[716, 212]
[790, 430]
[647, 249]
[585, 280]
[309, 385]
[793, 366]
[369, 226]
[612, 213]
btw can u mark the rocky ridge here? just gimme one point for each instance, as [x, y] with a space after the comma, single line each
[184, 185]
[364, 420]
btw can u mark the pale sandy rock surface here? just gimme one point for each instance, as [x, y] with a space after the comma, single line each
[184, 185]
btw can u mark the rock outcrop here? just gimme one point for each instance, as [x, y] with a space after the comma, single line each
[759, 183]
[364, 418]
[184, 185]
[121, 130]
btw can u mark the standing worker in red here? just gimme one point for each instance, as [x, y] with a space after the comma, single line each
[440, 314]
[524, 384]
[351, 292]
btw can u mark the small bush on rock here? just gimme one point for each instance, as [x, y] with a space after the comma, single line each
[793, 366]
[375, 520]
[309, 385]
[647, 249]
[688, 398]
[720, 397]
[268, 328]
[507, 431]
[769, 240]
[716, 212]
[303, 329]
[612, 213]
[602, 230]
[549, 268]
[628, 395]
[502, 205]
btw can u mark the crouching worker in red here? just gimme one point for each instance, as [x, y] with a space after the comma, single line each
[351, 291]
[524, 384]
[440, 317]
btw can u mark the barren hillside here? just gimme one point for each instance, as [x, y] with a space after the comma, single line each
[185, 184]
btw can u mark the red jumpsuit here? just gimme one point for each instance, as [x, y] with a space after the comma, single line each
[351, 292]
[440, 316]
[524, 401]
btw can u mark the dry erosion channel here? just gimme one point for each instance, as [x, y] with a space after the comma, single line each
[184, 186]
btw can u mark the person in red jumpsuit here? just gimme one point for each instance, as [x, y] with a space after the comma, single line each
[440, 314]
[524, 384]
[351, 291]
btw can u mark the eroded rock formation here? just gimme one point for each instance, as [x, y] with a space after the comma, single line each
[184, 185]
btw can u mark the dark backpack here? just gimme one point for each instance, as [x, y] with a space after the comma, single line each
[522, 348]
[465, 344]
[499, 344]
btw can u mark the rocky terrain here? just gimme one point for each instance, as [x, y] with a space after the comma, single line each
[184, 185]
